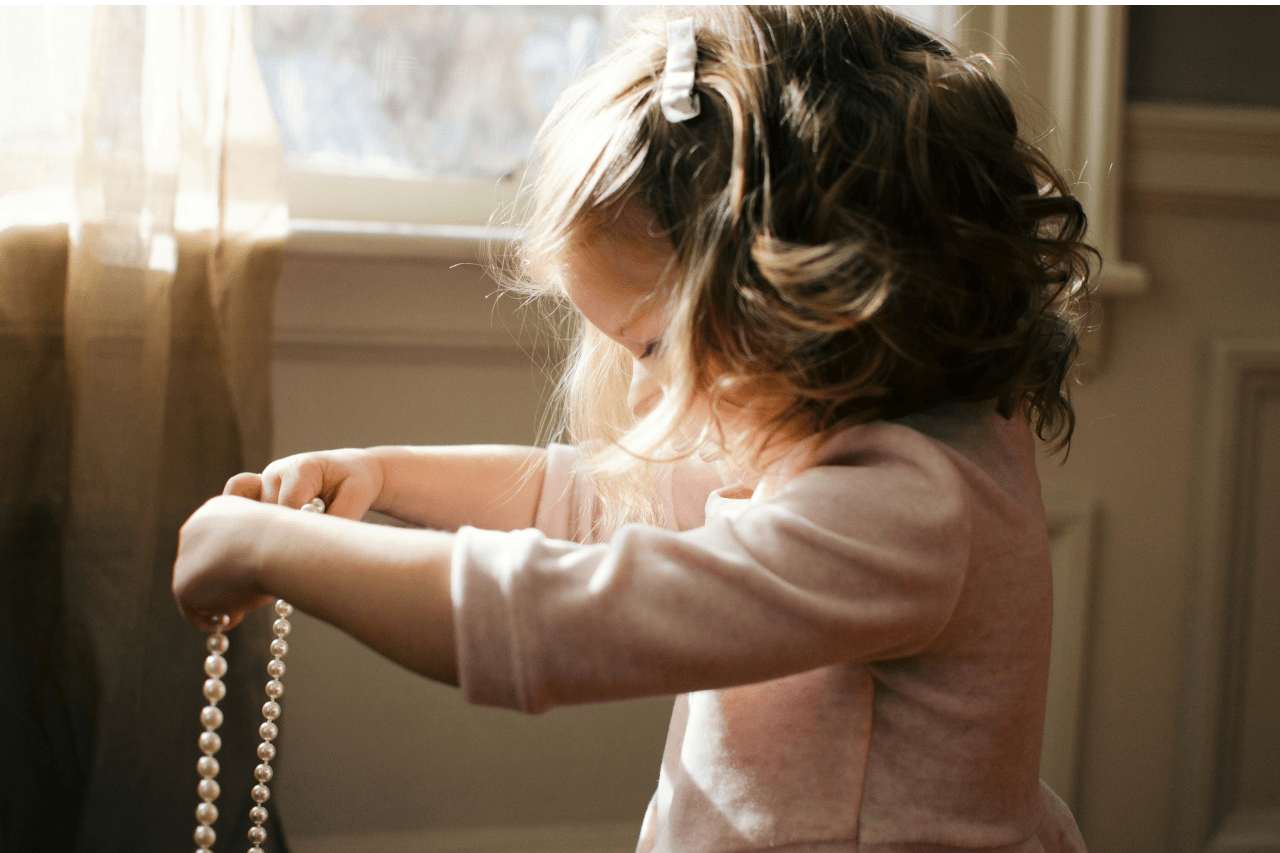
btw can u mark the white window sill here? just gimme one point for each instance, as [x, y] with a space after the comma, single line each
[396, 240]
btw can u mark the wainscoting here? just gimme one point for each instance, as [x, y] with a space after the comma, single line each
[1231, 782]
[1176, 454]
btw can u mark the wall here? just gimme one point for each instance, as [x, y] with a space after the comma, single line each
[1176, 447]
[1163, 721]
[402, 348]
[1173, 466]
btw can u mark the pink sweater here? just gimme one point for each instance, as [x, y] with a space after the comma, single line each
[861, 646]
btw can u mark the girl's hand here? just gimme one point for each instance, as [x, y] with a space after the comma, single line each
[348, 481]
[218, 560]
[386, 586]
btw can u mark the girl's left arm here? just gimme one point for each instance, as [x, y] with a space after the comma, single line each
[388, 587]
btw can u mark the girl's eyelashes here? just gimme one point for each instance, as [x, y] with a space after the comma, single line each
[649, 349]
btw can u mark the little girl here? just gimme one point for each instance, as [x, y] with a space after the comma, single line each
[828, 295]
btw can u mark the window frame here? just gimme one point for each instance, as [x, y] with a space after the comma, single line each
[1072, 63]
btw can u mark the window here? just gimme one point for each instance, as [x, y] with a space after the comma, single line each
[417, 114]
[936, 19]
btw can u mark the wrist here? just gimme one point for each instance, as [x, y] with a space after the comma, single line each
[268, 553]
[379, 460]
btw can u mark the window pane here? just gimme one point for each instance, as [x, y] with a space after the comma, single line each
[939, 20]
[406, 91]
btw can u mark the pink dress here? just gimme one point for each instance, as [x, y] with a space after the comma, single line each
[861, 646]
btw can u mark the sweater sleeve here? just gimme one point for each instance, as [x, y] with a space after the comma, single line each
[848, 562]
[568, 505]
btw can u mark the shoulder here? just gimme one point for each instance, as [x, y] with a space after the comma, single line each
[879, 527]
[954, 459]
[878, 479]
[878, 494]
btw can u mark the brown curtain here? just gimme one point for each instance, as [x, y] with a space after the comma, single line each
[141, 229]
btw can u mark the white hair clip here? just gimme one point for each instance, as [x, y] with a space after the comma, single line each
[679, 101]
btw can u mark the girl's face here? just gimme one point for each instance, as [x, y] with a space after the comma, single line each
[612, 280]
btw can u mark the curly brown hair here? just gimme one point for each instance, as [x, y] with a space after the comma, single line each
[860, 232]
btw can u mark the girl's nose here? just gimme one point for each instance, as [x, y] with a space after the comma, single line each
[645, 392]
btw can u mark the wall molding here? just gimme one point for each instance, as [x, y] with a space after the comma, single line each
[1219, 161]
[617, 837]
[1072, 525]
[1066, 64]
[413, 345]
[1243, 375]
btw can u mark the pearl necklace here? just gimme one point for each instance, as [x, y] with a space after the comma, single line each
[215, 666]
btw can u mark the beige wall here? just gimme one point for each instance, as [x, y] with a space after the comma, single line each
[416, 350]
[1203, 217]
[1169, 583]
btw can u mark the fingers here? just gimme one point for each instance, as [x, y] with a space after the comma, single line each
[295, 480]
[245, 486]
[349, 502]
[287, 485]
[273, 477]
[212, 570]
[212, 621]
[271, 483]
[200, 609]
[292, 481]
[297, 486]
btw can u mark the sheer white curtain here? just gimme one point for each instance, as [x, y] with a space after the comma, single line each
[141, 227]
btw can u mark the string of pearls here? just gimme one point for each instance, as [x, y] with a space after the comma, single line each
[215, 667]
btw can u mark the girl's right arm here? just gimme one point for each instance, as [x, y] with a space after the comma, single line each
[495, 487]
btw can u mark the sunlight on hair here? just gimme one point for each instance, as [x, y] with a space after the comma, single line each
[860, 251]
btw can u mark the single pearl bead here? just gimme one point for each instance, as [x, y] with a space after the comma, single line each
[263, 772]
[260, 793]
[283, 607]
[215, 666]
[214, 689]
[279, 648]
[210, 742]
[266, 751]
[275, 667]
[275, 688]
[258, 814]
[281, 627]
[217, 643]
[206, 813]
[268, 731]
[257, 834]
[208, 790]
[211, 717]
[205, 836]
[271, 711]
[255, 849]
[207, 766]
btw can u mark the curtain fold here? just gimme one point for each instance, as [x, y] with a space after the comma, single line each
[141, 231]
